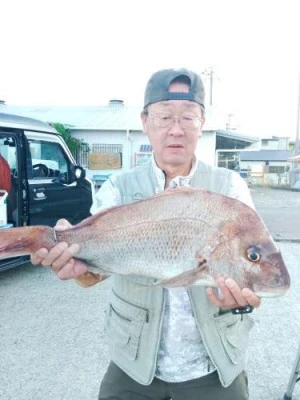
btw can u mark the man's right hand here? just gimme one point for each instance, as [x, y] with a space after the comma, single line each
[60, 257]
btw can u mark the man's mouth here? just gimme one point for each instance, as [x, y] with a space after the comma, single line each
[175, 146]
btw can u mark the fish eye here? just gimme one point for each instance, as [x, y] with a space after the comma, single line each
[253, 254]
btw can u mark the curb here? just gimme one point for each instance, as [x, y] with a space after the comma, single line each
[287, 240]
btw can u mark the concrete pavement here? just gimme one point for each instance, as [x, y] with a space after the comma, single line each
[52, 341]
[280, 210]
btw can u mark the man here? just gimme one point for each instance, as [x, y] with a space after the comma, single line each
[182, 343]
[5, 175]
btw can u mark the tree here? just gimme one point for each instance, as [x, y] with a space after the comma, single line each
[73, 143]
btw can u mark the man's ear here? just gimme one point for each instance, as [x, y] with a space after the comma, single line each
[201, 126]
[144, 118]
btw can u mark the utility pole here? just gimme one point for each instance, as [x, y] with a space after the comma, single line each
[210, 74]
[297, 143]
[228, 124]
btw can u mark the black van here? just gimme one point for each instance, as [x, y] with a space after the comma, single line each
[46, 183]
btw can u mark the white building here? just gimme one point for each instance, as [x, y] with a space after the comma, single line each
[114, 137]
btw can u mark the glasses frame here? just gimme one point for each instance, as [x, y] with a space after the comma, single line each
[155, 117]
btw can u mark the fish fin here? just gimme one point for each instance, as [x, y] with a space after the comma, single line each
[183, 189]
[187, 278]
[89, 279]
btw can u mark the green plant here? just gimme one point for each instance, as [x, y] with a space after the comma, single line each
[74, 144]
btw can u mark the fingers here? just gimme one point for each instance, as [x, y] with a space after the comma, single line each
[53, 254]
[62, 224]
[42, 256]
[216, 300]
[72, 269]
[57, 257]
[251, 298]
[37, 257]
[60, 255]
[60, 260]
[235, 293]
[231, 295]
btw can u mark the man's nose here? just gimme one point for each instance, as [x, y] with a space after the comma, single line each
[176, 128]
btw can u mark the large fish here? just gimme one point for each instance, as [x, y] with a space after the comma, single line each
[180, 237]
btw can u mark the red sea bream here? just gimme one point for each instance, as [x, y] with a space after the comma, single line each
[180, 237]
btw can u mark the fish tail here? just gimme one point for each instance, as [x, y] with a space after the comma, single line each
[25, 240]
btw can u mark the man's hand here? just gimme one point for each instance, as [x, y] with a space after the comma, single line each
[60, 257]
[231, 295]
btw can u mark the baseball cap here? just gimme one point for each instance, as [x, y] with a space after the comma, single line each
[157, 88]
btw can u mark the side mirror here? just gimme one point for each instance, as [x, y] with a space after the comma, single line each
[78, 172]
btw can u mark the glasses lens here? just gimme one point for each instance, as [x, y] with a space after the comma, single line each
[165, 121]
[190, 122]
[162, 121]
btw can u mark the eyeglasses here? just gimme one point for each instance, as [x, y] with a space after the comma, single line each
[167, 120]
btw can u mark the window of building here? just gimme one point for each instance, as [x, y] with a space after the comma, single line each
[105, 156]
[106, 148]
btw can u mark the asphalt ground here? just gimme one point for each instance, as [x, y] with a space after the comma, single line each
[52, 343]
[280, 210]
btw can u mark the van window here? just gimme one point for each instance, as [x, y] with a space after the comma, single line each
[47, 159]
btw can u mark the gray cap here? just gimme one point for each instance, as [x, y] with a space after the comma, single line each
[157, 88]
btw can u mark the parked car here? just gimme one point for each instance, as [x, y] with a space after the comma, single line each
[244, 174]
[46, 183]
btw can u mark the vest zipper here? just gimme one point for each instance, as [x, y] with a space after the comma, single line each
[210, 361]
[162, 312]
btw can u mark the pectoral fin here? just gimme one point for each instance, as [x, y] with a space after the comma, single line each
[197, 276]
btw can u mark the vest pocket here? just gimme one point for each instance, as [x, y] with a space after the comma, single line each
[124, 324]
[234, 334]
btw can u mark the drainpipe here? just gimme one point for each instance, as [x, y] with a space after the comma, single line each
[297, 143]
[129, 147]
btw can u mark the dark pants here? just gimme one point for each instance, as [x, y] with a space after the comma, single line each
[116, 385]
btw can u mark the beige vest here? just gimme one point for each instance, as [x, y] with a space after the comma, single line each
[135, 313]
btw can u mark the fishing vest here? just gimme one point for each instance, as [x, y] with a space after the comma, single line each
[133, 321]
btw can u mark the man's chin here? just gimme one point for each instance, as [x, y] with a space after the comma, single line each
[175, 161]
[176, 156]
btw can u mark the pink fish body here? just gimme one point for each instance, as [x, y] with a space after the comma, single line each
[180, 237]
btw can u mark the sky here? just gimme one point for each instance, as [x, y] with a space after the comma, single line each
[88, 52]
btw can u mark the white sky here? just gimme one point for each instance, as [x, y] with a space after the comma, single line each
[86, 52]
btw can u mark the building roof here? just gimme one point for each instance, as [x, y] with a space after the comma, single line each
[295, 158]
[233, 140]
[266, 155]
[110, 117]
[113, 117]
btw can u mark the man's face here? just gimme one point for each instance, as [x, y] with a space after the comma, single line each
[174, 140]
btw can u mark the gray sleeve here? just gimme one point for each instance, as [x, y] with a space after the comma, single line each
[107, 196]
[238, 189]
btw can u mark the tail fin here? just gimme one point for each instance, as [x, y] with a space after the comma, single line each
[25, 240]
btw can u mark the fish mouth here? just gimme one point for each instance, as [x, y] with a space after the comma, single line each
[276, 280]
[267, 291]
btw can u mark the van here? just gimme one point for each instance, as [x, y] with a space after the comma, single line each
[46, 184]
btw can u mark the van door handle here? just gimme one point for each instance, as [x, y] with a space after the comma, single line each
[39, 194]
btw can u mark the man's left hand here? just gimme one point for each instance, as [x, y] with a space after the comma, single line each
[231, 295]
